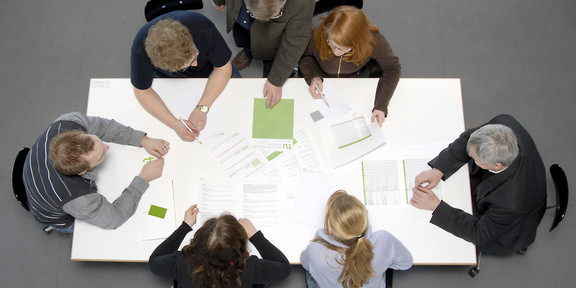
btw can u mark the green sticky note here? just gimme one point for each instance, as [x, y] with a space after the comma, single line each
[157, 211]
[275, 123]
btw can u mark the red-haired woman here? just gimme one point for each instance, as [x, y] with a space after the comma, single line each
[346, 44]
[217, 256]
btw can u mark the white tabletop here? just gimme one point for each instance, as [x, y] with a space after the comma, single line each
[422, 112]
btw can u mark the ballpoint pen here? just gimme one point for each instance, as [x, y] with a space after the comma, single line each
[187, 127]
[321, 94]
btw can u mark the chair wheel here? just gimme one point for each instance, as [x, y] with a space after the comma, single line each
[473, 272]
[48, 230]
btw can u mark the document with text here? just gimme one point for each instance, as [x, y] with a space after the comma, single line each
[256, 200]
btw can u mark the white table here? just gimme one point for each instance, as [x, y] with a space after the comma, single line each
[422, 111]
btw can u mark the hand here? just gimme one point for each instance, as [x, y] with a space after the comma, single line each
[424, 198]
[218, 7]
[183, 132]
[152, 170]
[317, 81]
[198, 120]
[272, 93]
[432, 176]
[379, 116]
[248, 227]
[191, 214]
[156, 147]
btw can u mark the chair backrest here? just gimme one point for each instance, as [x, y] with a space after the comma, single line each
[322, 6]
[155, 8]
[17, 182]
[561, 186]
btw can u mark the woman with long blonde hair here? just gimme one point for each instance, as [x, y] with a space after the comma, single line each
[344, 44]
[346, 253]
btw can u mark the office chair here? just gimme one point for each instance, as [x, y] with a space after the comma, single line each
[155, 8]
[18, 183]
[322, 6]
[561, 189]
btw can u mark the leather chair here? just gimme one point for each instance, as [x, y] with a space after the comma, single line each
[155, 8]
[17, 182]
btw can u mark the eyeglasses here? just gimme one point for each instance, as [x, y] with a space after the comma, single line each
[192, 62]
[273, 17]
[334, 47]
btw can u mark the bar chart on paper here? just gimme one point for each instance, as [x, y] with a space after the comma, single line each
[390, 181]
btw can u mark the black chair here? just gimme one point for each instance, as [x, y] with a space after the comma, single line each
[561, 189]
[389, 277]
[17, 182]
[155, 8]
[322, 6]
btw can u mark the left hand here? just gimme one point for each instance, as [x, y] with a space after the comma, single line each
[191, 214]
[424, 198]
[272, 93]
[198, 120]
[156, 147]
[379, 116]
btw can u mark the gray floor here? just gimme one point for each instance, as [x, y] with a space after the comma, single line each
[514, 56]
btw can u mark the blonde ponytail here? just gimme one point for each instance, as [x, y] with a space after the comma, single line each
[347, 221]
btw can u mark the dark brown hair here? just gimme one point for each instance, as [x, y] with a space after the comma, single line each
[217, 254]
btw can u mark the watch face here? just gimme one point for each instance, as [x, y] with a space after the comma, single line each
[203, 108]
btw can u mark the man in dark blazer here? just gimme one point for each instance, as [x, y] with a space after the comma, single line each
[508, 184]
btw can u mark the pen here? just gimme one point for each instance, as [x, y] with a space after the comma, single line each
[321, 94]
[182, 120]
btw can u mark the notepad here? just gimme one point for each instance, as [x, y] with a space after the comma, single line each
[157, 211]
[275, 123]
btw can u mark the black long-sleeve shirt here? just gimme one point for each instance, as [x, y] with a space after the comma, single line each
[167, 262]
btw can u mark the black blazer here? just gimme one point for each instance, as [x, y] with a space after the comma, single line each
[507, 206]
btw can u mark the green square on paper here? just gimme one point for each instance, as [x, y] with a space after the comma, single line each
[275, 123]
[157, 211]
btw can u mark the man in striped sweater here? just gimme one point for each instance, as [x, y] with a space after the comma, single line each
[59, 179]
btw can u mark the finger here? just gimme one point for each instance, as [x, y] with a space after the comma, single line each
[268, 101]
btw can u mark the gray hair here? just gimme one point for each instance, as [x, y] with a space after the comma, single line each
[494, 143]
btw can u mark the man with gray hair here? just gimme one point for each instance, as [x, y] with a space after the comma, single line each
[507, 181]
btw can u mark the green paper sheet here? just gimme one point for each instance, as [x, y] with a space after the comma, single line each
[275, 123]
[157, 211]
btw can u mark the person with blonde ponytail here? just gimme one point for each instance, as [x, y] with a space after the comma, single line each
[346, 253]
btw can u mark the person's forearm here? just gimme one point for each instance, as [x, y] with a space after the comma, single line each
[153, 104]
[216, 83]
[97, 210]
[107, 129]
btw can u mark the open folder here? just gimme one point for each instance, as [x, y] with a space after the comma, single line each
[352, 139]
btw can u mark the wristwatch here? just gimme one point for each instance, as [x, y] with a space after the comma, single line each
[203, 108]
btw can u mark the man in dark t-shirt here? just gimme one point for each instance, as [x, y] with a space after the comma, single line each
[180, 44]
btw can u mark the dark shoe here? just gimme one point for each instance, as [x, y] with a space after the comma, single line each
[241, 61]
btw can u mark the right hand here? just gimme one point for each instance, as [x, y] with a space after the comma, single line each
[183, 132]
[312, 88]
[432, 176]
[248, 227]
[152, 170]
[191, 214]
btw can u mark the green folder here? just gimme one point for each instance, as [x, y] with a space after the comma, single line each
[275, 123]
[157, 211]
